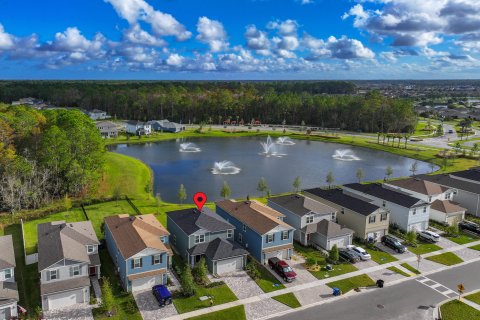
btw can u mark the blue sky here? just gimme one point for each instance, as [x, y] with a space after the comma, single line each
[239, 39]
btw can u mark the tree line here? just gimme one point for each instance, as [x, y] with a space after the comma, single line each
[46, 155]
[327, 104]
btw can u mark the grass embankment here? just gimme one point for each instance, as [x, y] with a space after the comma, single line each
[400, 272]
[457, 310]
[463, 238]
[410, 268]
[380, 257]
[447, 258]
[424, 247]
[474, 297]
[288, 299]
[348, 284]
[477, 247]
[220, 294]
[234, 313]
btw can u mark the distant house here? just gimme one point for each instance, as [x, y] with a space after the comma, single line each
[31, 102]
[314, 222]
[139, 247]
[258, 228]
[96, 114]
[444, 210]
[407, 212]
[107, 129]
[138, 128]
[196, 234]
[8, 286]
[166, 126]
[368, 221]
[67, 258]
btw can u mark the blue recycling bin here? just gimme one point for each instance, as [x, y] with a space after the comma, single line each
[336, 292]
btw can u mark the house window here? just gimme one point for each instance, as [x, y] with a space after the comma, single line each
[53, 274]
[244, 228]
[309, 219]
[430, 199]
[229, 233]
[343, 210]
[284, 235]
[90, 249]
[137, 263]
[270, 237]
[455, 191]
[414, 211]
[75, 271]
[200, 238]
[175, 239]
[8, 274]
[383, 216]
[424, 209]
[371, 219]
[240, 238]
[384, 203]
[447, 196]
[157, 259]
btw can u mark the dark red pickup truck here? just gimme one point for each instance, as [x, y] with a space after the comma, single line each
[282, 268]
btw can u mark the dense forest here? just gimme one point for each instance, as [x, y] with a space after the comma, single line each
[331, 104]
[46, 155]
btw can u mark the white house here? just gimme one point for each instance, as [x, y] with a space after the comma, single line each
[138, 128]
[8, 286]
[107, 129]
[96, 114]
[407, 212]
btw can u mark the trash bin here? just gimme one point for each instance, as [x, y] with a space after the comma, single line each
[380, 283]
[337, 292]
[328, 267]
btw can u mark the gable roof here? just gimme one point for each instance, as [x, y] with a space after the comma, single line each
[132, 234]
[7, 258]
[192, 220]
[59, 240]
[218, 249]
[446, 206]
[378, 191]
[339, 198]
[472, 174]
[418, 185]
[300, 205]
[255, 215]
[331, 229]
[449, 181]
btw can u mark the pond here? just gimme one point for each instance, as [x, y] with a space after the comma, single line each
[204, 164]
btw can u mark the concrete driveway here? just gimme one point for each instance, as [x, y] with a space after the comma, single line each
[399, 256]
[298, 265]
[149, 308]
[75, 312]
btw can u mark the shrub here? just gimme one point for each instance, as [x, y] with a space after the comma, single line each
[452, 230]
[411, 238]
[130, 307]
[108, 300]
[188, 287]
[200, 272]
[333, 254]
[252, 270]
[311, 261]
[215, 284]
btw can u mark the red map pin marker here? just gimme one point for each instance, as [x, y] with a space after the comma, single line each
[200, 198]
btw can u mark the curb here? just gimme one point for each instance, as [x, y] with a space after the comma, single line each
[436, 310]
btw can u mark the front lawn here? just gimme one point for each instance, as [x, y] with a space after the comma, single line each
[288, 299]
[410, 268]
[220, 294]
[267, 281]
[234, 313]
[125, 305]
[477, 247]
[348, 284]
[424, 247]
[380, 257]
[462, 238]
[457, 310]
[447, 258]
[474, 297]
[396, 270]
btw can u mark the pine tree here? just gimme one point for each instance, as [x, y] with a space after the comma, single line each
[188, 286]
[262, 185]
[333, 254]
[296, 184]
[200, 272]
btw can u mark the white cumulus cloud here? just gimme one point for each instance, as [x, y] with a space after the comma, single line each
[212, 33]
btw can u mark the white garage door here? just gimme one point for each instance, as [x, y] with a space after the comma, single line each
[65, 299]
[417, 226]
[339, 242]
[5, 313]
[146, 283]
[230, 265]
[279, 254]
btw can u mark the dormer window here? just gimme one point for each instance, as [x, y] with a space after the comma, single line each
[8, 274]
[90, 249]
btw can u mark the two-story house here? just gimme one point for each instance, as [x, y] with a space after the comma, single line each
[368, 221]
[107, 129]
[8, 286]
[195, 234]
[314, 222]
[406, 212]
[258, 228]
[96, 114]
[67, 258]
[442, 209]
[139, 247]
[138, 128]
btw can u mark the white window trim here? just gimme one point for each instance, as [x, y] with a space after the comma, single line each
[9, 272]
[372, 217]
[53, 272]
[199, 238]
[90, 247]
[270, 235]
[229, 233]
[76, 269]
[283, 235]
[135, 260]
[155, 259]
[309, 219]
[240, 238]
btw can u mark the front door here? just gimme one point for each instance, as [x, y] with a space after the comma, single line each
[92, 271]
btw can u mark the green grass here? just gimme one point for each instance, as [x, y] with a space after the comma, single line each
[288, 299]
[267, 281]
[457, 310]
[410, 268]
[122, 298]
[308, 252]
[396, 270]
[423, 247]
[380, 257]
[474, 297]
[477, 247]
[462, 239]
[97, 213]
[351, 283]
[221, 294]
[234, 313]
[447, 258]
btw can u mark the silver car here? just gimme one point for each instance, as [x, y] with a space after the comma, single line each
[429, 236]
[359, 251]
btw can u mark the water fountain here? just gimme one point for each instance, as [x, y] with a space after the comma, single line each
[225, 167]
[285, 141]
[345, 155]
[189, 147]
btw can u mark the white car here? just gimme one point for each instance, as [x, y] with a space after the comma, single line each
[364, 255]
[429, 235]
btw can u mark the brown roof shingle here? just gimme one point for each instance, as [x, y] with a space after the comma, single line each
[418, 185]
[146, 274]
[7, 258]
[446, 206]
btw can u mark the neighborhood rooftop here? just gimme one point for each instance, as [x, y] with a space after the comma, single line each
[192, 220]
[257, 216]
[59, 240]
[378, 191]
[418, 185]
[472, 174]
[300, 205]
[338, 197]
[134, 234]
[218, 249]
[7, 256]
[332, 229]
[447, 180]
[446, 206]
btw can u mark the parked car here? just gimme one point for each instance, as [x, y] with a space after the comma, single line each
[163, 296]
[349, 255]
[450, 131]
[469, 226]
[364, 255]
[429, 236]
[393, 243]
[282, 268]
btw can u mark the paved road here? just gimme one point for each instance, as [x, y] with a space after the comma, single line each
[406, 300]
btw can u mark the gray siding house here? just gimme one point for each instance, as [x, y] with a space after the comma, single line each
[107, 129]
[67, 258]
[8, 286]
[314, 222]
[196, 234]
